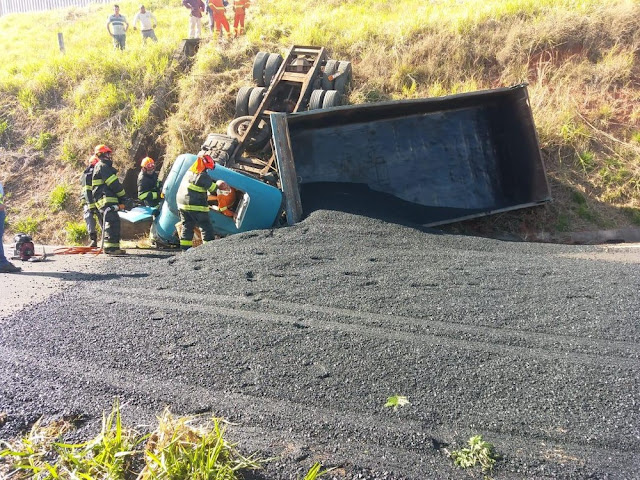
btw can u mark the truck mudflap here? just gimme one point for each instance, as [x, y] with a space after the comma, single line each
[258, 206]
[431, 161]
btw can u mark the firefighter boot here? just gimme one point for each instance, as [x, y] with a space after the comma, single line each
[94, 239]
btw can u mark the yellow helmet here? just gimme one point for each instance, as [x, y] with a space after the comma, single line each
[148, 163]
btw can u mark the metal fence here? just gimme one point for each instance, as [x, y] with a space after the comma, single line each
[22, 6]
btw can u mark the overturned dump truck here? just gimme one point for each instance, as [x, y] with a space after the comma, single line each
[426, 161]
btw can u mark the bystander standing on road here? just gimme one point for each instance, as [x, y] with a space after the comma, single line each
[195, 19]
[120, 26]
[147, 24]
[5, 265]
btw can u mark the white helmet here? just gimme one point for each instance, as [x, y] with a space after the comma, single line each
[223, 187]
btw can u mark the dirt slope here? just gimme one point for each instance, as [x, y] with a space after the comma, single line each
[299, 335]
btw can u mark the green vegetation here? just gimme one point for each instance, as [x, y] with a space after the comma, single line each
[59, 196]
[577, 57]
[396, 401]
[42, 142]
[178, 448]
[479, 452]
[76, 232]
[316, 472]
[28, 225]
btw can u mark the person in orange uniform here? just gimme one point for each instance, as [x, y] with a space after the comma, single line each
[219, 17]
[239, 7]
[226, 198]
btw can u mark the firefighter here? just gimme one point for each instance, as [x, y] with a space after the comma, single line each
[109, 197]
[226, 198]
[89, 210]
[239, 7]
[219, 17]
[192, 201]
[149, 186]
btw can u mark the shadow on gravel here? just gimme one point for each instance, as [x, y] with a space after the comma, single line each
[85, 277]
[359, 199]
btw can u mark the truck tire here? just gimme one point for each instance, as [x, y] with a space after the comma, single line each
[255, 99]
[258, 68]
[342, 82]
[271, 68]
[315, 102]
[329, 69]
[258, 140]
[242, 101]
[332, 98]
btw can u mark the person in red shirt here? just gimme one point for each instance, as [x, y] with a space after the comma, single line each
[239, 7]
[219, 17]
[195, 20]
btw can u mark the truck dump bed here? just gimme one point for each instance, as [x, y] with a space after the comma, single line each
[431, 161]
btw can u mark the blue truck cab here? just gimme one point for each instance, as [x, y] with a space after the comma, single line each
[258, 206]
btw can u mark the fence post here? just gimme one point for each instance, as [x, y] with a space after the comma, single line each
[61, 42]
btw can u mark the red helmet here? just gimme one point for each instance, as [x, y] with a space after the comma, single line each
[101, 149]
[209, 164]
[148, 163]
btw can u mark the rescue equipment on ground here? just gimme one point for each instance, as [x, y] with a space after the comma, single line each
[24, 248]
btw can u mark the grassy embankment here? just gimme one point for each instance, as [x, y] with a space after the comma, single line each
[580, 59]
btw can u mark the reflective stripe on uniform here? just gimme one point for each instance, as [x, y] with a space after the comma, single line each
[104, 200]
[95, 182]
[121, 193]
[111, 179]
[186, 243]
[196, 188]
[193, 208]
[111, 245]
[143, 195]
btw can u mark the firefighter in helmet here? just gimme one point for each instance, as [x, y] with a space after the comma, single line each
[89, 208]
[109, 197]
[192, 201]
[149, 186]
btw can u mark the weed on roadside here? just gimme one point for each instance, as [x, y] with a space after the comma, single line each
[76, 232]
[396, 401]
[479, 452]
[28, 225]
[59, 196]
[315, 472]
[179, 448]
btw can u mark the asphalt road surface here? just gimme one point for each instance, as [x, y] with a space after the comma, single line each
[299, 335]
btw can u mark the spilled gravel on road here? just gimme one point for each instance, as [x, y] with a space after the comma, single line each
[299, 335]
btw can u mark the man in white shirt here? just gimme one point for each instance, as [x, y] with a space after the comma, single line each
[147, 24]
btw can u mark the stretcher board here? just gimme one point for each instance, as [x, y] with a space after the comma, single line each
[137, 214]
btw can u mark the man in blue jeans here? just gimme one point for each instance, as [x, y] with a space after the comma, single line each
[5, 265]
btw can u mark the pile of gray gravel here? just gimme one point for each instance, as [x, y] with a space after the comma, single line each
[299, 335]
